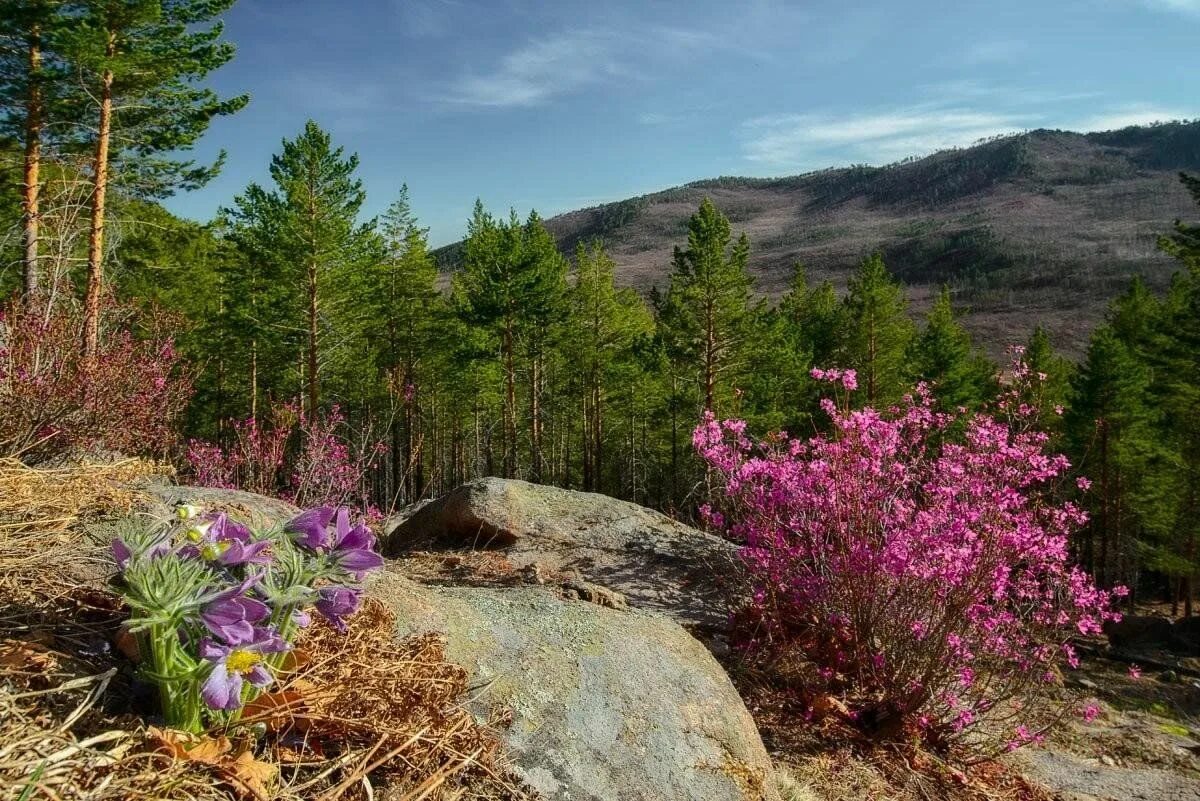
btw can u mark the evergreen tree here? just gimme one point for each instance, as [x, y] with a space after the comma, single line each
[306, 233]
[943, 356]
[1108, 430]
[709, 302]
[878, 333]
[32, 85]
[605, 325]
[816, 314]
[512, 286]
[409, 310]
[543, 309]
[138, 63]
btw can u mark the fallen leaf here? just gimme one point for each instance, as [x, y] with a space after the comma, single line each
[191, 747]
[249, 774]
[27, 657]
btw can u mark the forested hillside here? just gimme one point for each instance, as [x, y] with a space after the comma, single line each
[293, 346]
[1043, 227]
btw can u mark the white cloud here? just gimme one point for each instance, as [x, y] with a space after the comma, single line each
[534, 73]
[1191, 7]
[571, 60]
[1125, 117]
[802, 140]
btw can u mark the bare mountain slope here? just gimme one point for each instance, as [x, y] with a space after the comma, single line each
[1044, 227]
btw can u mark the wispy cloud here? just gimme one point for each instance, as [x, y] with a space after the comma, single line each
[1189, 7]
[536, 72]
[804, 140]
[1124, 117]
[571, 60]
[808, 141]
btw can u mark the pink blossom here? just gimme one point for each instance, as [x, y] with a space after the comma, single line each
[908, 523]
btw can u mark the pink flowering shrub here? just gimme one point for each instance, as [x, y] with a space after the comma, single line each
[53, 402]
[305, 460]
[916, 561]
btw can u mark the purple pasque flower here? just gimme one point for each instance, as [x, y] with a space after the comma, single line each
[233, 619]
[233, 665]
[228, 542]
[353, 548]
[310, 529]
[122, 552]
[337, 603]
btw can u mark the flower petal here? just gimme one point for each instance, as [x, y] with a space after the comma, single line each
[222, 689]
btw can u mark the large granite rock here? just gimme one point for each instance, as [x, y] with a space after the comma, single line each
[606, 705]
[654, 561]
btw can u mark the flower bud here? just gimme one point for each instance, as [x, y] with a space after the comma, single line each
[187, 511]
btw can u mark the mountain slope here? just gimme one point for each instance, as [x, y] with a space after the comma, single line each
[1043, 227]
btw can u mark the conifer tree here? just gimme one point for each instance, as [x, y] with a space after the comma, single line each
[32, 86]
[139, 63]
[709, 302]
[1054, 385]
[605, 324]
[1108, 430]
[409, 310]
[816, 314]
[512, 285]
[307, 229]
[943, 356]
[878, 333]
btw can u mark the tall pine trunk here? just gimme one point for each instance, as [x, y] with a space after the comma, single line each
[535, 419]
[510, 401]
[33, 157]
[95, 278]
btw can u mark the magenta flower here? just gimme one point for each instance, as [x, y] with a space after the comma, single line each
[337, 603]
[310, 529]
[233, 619]
[353, 548]
[227, 542]
[233, 665]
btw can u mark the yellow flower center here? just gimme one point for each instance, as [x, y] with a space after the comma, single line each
[241, 661]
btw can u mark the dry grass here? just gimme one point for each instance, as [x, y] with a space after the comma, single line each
[365, 717]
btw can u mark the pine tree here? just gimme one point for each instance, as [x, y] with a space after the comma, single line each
[543, 310]
[512, 286]
[138, 62]
[604, 326]
[32, 84]
[816, 314]
[306, 233]
[709, 302]
[1054, 385]
[409, 309]
[1108, 430]
[1174, 356]
[878, 333]
[943, 356]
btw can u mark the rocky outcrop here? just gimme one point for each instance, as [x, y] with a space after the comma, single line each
[606, 705]
[651, 560]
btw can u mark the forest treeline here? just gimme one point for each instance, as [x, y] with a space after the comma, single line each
[525, 362]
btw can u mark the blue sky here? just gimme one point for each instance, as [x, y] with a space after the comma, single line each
[558, 105]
